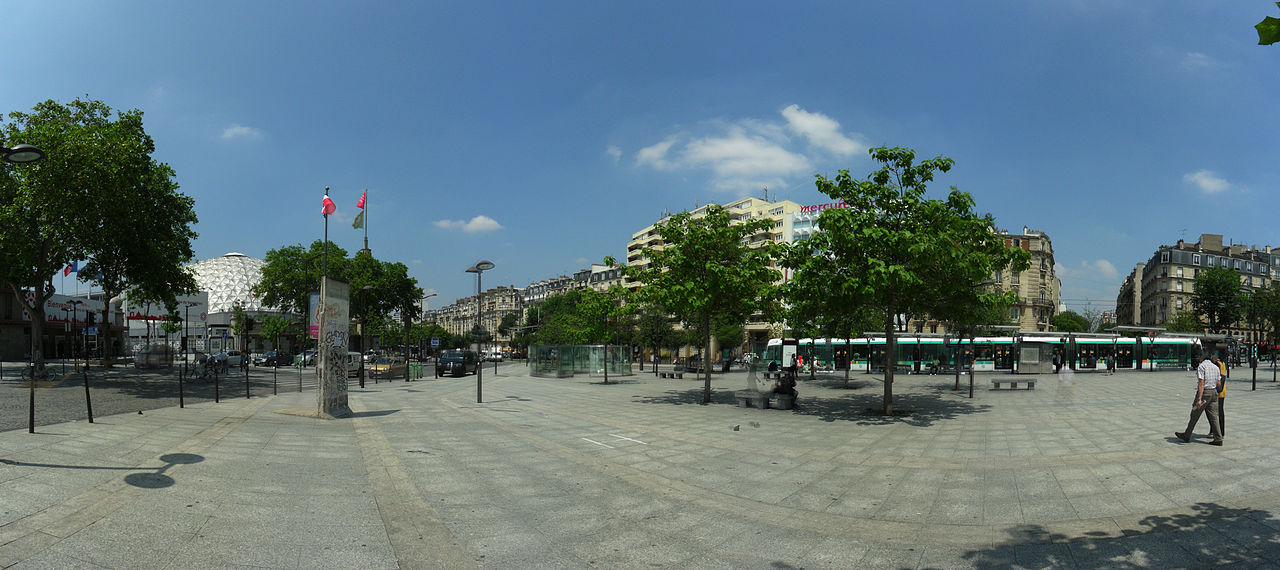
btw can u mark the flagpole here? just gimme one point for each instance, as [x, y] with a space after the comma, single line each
[325, 271]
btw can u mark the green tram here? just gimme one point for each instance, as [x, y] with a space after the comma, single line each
[919, 354]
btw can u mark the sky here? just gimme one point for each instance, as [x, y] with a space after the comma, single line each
[541, 135]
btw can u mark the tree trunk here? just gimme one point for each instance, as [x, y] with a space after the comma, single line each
[890, 358]
[706, 343]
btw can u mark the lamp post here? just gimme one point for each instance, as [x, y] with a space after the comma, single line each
[424, 317]
[479, 268]
[364, 316]
[21, 154]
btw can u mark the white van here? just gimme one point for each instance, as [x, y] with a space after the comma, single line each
[354, 364]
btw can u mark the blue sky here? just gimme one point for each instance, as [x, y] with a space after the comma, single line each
[540, 135]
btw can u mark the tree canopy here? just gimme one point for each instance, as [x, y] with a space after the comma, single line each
[1217, 297]
[1070, 321]
[98, 195]
[707, 271]
[896, 251]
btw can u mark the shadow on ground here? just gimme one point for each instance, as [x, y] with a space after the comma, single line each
[1212, 536]
[916, 409]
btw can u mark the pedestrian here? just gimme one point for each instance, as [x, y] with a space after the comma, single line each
[1222, 398]
[1208, 377]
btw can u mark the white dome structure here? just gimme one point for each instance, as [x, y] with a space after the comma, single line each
[228, 279]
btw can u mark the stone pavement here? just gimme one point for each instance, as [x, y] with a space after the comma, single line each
[1083, 471]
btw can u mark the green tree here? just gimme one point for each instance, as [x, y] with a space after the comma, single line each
[1186, 322]
[275, 326]
[1070, 321]
[705, 272]
[292, 273]
[1217, 297]
[895, 250]
[1268, 30]
[97, 195]
[654, 331]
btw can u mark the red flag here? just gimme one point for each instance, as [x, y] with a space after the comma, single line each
[360, 202]
[329, 206]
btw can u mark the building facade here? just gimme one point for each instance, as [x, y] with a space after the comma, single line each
[1157, 290]
[1038, 288]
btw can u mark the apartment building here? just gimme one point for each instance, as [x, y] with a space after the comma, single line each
[1158, 289]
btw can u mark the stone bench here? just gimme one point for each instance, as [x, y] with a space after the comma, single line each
[1013, 383]
[759, 399]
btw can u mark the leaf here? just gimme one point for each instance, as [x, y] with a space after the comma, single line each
[1268, 31]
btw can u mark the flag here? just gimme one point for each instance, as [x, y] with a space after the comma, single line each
[72, 268]
[329, 206]
[360, 202]
[359, 221]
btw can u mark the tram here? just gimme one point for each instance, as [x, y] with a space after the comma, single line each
[918, 354]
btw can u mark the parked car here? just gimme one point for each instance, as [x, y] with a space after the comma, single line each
[457, 363]
[354, 364]
[154, 356]
[388, 367]
[273, 358]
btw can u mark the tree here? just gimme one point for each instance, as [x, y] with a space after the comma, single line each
[292, 273]
[1070, 321]
[1217, 297]
[98, 195]
[705, 272]
[1268, 30]
[894, 250]
[1186, 322]
[654, 330]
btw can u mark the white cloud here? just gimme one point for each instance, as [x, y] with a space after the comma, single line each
[1096, 270]
[1207, 181]
[748, 153]
[821, 130]
[656, 155]
[614, 152]
[739, 155]
[240, 132]
[1196, 60]
[476, 224]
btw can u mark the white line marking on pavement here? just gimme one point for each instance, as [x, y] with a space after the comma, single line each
[628, 439]
[598, 443]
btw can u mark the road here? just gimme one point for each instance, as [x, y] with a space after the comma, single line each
[61, 398]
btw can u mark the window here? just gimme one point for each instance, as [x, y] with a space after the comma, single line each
[1195, 259]
[1164, 257]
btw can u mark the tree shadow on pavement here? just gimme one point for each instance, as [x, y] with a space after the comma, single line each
[692, 396]
[1212, 535]
[920, 410]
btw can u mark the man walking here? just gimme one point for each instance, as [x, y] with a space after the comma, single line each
[1207, 378]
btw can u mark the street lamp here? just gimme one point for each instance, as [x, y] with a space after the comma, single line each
[21, 154]
[479, 268]
[364, 316]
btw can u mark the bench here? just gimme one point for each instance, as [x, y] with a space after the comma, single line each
[1013, 383]
[760, 399]
[671, 375]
